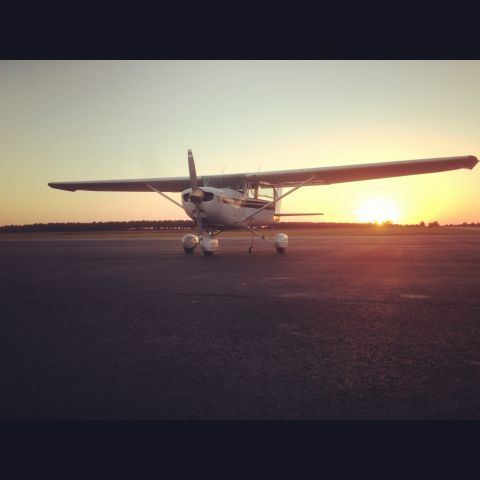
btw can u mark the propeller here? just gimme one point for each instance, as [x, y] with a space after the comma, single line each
[196, 195]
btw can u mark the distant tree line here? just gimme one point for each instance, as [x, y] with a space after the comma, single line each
[101, 226]
[184, 225]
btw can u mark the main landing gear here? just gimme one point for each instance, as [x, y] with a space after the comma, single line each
[189, 243]
[280, 241]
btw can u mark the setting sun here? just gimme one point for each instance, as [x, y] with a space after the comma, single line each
[378, 210]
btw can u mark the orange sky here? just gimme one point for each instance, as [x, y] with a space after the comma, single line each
[91, 120]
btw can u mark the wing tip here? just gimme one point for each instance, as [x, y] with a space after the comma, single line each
[61, 186]
[472, 161]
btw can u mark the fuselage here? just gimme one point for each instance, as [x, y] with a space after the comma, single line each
[225, 207]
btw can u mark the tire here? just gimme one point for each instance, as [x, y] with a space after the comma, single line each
[189, 251]
[280, 250]
[207, 254]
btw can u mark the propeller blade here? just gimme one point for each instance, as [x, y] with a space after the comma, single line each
[192, 171]
[196, 195]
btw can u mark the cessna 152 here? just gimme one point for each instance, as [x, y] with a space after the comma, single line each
[249, 200]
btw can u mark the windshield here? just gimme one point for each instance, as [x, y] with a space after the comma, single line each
[235, 182]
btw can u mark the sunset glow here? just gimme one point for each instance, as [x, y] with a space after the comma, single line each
[104, 120]
[378, 210]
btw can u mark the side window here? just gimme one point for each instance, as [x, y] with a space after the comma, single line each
[265, 193]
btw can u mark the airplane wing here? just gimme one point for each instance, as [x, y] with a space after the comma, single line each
[287, 178]
[368, 171]
[177, 184]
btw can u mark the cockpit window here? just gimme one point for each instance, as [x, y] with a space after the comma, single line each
[259, 191]
[235, 182]
[252, 191]
[265, 192]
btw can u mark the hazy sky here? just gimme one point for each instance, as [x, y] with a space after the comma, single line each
[95, 120]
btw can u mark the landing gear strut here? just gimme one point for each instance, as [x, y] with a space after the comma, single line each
[280, 241]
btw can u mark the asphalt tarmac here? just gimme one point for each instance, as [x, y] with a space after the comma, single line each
[340, 327]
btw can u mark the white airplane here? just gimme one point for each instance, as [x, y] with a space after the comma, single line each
[250, 200]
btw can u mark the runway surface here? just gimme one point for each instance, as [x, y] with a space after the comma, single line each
[340, 327]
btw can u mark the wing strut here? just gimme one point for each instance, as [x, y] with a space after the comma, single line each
[166, 196]
[278, 199]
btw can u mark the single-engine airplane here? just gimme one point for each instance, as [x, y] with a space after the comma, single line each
[249, 200]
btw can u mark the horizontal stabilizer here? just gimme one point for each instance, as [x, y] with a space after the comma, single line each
[296, 214]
